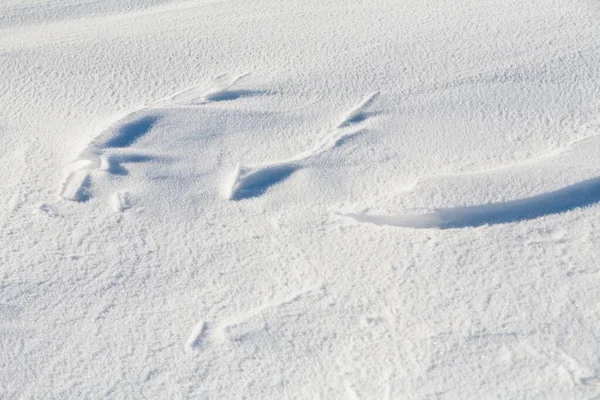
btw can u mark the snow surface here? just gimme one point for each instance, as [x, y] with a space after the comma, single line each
[299, 199]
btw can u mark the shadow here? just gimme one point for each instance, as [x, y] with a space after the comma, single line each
[344, 139]
[77, 187]
[358, 118]
[116, 161]
[358, 113]
[129, 132]
[253, 183]
[579, 195]
[228, 95]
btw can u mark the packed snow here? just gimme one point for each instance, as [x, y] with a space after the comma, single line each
[368, 199]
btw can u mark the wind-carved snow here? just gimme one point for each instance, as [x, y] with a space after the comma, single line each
[221, 90]
[76, 185]
[148, 283]
[109, 151]
[253, 180]
[581, 194]
[198, 335]
[357, 114]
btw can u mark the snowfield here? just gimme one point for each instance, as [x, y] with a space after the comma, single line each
[368, 199]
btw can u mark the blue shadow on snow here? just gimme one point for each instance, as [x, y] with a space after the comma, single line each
[131, 131]
[581, 194]
[256, 183]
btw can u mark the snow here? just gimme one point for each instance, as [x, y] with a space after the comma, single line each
[308, 199]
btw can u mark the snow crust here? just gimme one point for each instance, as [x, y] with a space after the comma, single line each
[301, 199]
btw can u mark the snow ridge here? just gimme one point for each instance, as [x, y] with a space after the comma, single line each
[253, 180]
[108, 151]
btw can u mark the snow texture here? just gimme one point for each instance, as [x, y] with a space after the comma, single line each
[305, 199]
